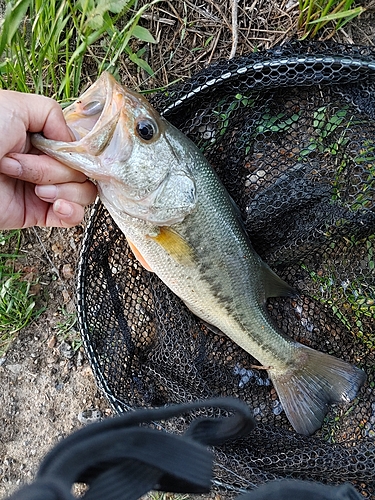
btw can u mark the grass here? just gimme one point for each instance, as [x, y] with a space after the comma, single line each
[317, 14]
[44, 48]
[352, 301]
[17, 301]
[66, 329]
[44, 45]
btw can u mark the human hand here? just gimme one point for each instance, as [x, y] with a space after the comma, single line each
[36, 190]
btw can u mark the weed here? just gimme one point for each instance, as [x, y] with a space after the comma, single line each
[315, 14]
[17, 301]
[223, 114]
[43, 45]
[65, 329]
[366, 159]
[278, 123]
[351, 301]
[325, 124]
[333, 422]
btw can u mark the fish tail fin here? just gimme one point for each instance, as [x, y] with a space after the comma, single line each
[315, 381]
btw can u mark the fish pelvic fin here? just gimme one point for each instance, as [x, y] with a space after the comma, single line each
[317, 380]
[174, 244]
[138, 255]
[274, 286]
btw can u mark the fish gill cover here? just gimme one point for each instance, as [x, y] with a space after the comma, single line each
[291, 134]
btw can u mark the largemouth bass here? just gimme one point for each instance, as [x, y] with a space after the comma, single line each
[182, 224]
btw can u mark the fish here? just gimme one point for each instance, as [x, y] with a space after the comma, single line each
[182, 224]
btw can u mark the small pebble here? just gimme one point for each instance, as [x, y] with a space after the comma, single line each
[89, 416]
[66, 350]
[67, 271]
[52, 342]
[16, 368]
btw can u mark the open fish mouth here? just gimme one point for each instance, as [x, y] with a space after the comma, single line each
[85, 114]
[93, 120]
[93, 117]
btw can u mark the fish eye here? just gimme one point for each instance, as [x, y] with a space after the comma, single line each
[145, 129]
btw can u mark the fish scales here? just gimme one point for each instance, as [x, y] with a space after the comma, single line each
[182, 224]
[213, 285]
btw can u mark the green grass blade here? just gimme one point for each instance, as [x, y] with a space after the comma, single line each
[340, 15]
[14, 14]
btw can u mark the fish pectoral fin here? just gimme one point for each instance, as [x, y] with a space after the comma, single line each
[174, 244]
[274, 286]
[138, 255]
[316, 380]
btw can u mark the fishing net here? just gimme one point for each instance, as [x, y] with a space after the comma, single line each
[291, 133]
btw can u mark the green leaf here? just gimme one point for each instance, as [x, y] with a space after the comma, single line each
[116, 6]
[141, 63]
[12, 19]
[95, 21]
[339, 15]
[143, 34]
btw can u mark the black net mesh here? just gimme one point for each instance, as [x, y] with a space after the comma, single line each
[291, 133]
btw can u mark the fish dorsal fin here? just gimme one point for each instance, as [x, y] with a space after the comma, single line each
[238, 213]
[174, 244]
[274, 286]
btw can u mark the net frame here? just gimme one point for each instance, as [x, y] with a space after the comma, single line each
[343, 77]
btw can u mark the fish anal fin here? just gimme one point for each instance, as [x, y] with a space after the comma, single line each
[138, 255]
[317, 380]
[174, 244]
[274, 286]
[212, 328]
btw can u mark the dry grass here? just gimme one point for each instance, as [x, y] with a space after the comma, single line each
[191, 34]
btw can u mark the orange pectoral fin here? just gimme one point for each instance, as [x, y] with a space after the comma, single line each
[175, 245]
[139, 256]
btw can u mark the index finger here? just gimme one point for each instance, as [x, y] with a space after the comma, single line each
[39, 169]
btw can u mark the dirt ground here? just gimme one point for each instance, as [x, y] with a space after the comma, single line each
[47, 387]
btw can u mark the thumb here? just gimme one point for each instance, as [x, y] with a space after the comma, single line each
[45, 115]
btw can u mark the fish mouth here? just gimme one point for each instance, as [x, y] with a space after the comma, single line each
[95, 114]
[100, 106]
[85, 114]
[92, 119]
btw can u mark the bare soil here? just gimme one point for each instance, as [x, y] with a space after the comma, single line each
[47, 387]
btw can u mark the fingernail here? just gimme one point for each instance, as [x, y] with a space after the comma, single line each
[46, 192]
[62, 208]
[10, 166]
